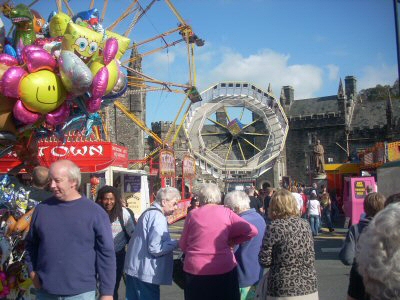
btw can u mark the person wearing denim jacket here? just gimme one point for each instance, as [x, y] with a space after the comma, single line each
[149, 258]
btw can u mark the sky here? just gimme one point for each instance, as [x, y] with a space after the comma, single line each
[307, 44]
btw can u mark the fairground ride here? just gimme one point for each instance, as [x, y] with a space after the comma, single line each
[131, 15]
[238, 130]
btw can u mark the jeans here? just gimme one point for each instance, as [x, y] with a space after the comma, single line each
[314, 222]
[42, 295]
[140, 290]
[120, 257]
[327, 216]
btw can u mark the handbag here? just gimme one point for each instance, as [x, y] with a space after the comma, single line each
[261, 291]
[178, 275]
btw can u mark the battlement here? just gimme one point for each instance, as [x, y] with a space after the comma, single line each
[328, 115]
[161, 126]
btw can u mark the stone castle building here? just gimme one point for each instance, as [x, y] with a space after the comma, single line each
[344, 123]
[121, 129]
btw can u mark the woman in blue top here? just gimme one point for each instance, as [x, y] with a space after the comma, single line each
[122, 226]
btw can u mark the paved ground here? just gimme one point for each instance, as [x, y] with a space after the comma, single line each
[332, 274]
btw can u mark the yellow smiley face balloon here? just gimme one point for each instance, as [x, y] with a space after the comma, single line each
[42, 91]
[84, 42]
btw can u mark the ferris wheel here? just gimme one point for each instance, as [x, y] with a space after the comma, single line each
[237, 129]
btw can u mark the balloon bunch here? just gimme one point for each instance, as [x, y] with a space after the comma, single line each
[16, 209]
[56, 72]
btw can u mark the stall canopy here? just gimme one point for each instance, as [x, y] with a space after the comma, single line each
[89, 156]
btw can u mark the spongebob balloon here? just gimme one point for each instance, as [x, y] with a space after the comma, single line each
[82, 41]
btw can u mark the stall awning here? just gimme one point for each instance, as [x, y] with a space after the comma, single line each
[342, 168]
[89, 156]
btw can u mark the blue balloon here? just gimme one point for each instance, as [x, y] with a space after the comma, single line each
[8, 49]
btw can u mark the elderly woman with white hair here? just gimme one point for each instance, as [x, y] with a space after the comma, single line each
[378, 255]
[149, 258]
[246, 254]
[207, 239]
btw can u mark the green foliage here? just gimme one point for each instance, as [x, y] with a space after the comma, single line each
[381, 92]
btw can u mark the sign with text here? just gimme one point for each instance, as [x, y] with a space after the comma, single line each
[189, 167]
[87, 155]
[179, 213]
[167, 163]
[132, 193]
[359, 189]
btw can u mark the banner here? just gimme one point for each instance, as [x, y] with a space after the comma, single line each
[394, 151]
[180, 213]
[132, 195]
[167, 163]
[87, 155]
[189, 167]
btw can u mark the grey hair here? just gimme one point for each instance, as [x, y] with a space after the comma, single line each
[378, 254]
[168, 193]
[238, 201]
[73, 171]
[209, 193]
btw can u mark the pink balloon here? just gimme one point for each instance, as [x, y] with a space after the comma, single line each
[10, 81]
[37, 60]
[24, 115]
[99, 84]
[27, 49]
[110, 50]
[8, 60]
[58, 116]
[93, 105]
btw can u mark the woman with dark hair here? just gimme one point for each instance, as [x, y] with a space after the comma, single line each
[122, 226]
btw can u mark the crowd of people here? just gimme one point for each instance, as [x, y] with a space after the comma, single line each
[80, 249]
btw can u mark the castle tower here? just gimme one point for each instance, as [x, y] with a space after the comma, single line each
[350, 86]
[341, 98]
[123, 130]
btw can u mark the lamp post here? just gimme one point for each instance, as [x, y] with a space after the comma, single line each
[396, 22]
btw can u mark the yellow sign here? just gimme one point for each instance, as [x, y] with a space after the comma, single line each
[394, 151]
[133, 201]
[359, 189]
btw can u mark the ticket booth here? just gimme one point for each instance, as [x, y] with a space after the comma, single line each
[354, 191]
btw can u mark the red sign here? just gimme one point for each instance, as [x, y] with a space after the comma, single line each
[88, 156]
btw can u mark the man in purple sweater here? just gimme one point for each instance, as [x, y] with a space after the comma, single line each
[70, 243]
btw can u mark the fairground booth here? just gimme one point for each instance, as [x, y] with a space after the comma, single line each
[101, 163]
[166, 171]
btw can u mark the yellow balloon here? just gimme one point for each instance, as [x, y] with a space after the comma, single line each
[83, 41]
[58, 24]
[113, 69]
[123, 42]
[42, 91]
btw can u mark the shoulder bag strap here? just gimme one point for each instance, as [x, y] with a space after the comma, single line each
[121, 221]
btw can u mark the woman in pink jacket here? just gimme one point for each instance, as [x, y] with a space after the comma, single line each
[207, 239]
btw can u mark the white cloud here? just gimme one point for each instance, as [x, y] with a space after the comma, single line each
[333, 72]
[373, 75]
[262, 68]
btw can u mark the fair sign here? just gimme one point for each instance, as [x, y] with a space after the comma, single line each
[167, 163]
[189, 167]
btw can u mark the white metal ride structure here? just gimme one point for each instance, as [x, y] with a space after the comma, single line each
[223, 144]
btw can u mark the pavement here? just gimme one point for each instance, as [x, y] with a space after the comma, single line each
[331, 273]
